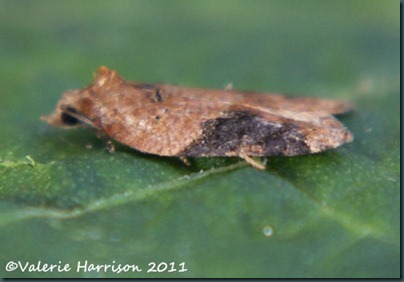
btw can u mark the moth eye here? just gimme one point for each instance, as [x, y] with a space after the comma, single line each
[67, 118]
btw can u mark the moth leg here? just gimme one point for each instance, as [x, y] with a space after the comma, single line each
[185, 161]
[110, 147]
[229, 87]
[252, 162]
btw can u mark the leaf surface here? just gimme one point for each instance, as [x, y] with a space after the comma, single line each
[64, 199]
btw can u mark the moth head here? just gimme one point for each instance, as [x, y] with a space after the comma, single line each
[74, 104]
[66, 113]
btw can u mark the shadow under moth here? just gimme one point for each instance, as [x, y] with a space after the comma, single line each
[169, 120]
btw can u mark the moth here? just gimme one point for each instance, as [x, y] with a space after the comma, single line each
[168, 120]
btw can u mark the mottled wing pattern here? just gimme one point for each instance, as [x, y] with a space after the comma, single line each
[199, 122]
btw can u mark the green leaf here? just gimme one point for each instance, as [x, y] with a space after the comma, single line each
[65, 200]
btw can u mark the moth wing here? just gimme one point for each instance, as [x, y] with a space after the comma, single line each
[296, 104]
[161, 125]
[200, 122]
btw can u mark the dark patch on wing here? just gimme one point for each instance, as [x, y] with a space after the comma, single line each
[240, 130]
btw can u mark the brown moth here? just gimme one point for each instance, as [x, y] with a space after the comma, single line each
[168, 120]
